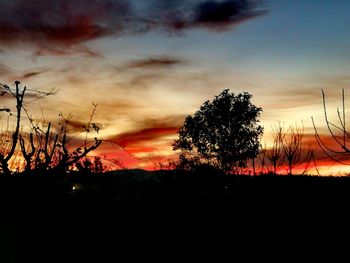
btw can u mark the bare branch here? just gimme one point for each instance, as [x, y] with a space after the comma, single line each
[341, 140]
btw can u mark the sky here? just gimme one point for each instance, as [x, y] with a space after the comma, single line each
[148, 64]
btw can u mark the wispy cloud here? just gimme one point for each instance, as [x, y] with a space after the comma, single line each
[32, 73]
[153, 63]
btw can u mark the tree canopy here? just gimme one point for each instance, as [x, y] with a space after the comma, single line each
[223, 133]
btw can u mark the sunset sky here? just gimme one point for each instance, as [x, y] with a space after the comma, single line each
[149, 63]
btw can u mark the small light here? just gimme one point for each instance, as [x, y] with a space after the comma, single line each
[76, 187]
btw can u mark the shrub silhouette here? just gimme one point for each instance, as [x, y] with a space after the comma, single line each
[90, 165]
[223, 133]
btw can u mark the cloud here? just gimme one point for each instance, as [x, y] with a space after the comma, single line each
[307, 91]
[62, 27]
[214, 11]
[144, 143]
[12, 75]
[220, 15]
[153, 62]
[149, 129]
[76, 125]
[144, 81]
[214, 15]
[166, 121]
[138, 137]
[55, 25]
[32, 73]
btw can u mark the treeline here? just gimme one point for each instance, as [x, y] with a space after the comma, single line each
[223, 135]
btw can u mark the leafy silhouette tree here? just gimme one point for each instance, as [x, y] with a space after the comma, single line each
[223, 133]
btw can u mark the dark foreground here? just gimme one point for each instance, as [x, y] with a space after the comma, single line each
[160, 186]
[54, 218]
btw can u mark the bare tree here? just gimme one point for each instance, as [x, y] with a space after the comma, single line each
[50, 150]
[276, 153]
[19, 96]
[292, 146]
[43, 148]
[339, 150]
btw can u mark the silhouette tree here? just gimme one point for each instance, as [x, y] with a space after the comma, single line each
[289, 148]
[223, 133]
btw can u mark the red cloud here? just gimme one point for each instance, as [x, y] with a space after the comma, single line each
[142, 136]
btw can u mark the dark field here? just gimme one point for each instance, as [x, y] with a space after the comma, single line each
[163, 185]
[56, 218]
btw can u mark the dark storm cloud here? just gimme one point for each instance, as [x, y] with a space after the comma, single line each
[60, 26]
